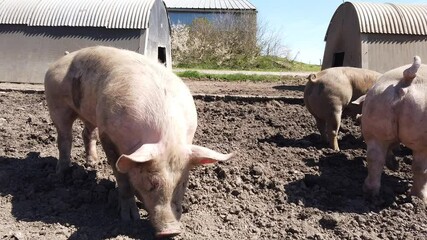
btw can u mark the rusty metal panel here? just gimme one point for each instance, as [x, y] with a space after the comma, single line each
[124, 14]
[210, 4]
[389, 18]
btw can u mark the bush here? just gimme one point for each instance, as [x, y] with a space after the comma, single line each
[226, 41]
[232, 42]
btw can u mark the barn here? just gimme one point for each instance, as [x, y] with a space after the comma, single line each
[185, 11]
[376, 36]
[34, 33]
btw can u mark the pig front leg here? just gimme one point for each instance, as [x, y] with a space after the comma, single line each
[419, 169]
[90, 136]
[127, 205]
[376, 156]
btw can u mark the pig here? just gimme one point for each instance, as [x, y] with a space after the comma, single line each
[146, 119]
[329, 93]
[394, 112]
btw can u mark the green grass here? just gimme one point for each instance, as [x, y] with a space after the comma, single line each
[260, 63]
[233, 77]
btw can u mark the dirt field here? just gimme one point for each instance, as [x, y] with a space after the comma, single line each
[283, 184]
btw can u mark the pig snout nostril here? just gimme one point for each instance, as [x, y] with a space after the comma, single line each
[169, 230]
[167, 234]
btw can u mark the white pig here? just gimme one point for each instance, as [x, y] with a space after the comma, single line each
[146, 119]
[329, 93]
[395, 111]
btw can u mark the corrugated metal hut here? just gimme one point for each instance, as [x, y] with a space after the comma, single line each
[34, 33]
[376, 36]
[185, 11]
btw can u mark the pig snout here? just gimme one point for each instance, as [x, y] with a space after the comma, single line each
[170, 229]
[166, 222]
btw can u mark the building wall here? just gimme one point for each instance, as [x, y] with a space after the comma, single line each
[343, 40]
[385, 52]
[26, 52]
[159, 35]
[379, 37]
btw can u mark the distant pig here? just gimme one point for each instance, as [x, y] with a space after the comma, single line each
[395, 111]
[329, 93]
[146, 120]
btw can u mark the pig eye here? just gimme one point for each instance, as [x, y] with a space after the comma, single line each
[154, 184]
[152, 188]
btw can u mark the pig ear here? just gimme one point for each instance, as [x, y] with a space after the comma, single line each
[145, 153]
[360, 100]
[201, 155]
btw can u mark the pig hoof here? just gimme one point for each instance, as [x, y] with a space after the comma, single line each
[370, 192]
[419, 194]
[61, 167]
[90, 165]
[392, 164]
[91, 161]
[128, 210]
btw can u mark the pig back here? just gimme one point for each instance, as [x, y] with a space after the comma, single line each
[124, 94]
[361, 80]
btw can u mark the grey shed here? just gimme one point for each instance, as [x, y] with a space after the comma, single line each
[34, 33]
[376, 36]
[185, 11]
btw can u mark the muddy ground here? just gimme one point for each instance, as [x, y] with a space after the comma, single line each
[283, 184]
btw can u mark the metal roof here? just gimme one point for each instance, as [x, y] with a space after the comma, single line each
[129, 14]
[390, 18]
[210, 4]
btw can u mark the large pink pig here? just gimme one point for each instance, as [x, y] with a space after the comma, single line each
[146, 119]
[329, 93]
[395, 110]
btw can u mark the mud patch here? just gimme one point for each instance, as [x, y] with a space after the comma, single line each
[283, 184]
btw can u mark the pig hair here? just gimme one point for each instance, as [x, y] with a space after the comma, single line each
[410, 73]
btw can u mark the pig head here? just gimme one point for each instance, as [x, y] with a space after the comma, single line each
[329, 93]
[146, 120]
[395, 111]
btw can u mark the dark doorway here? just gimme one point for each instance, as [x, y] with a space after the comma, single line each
[161, 55]
[338, 59]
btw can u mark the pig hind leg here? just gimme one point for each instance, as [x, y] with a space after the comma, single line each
[127, 205]
[90, 137]
[63, 119]
[391, 161]
[419, 169]
[320, 123]
[332, 128]
[377, 152]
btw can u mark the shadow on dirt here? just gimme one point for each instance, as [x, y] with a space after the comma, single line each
[338, 188]
[299, 88]
[347, 141]
[80, 199]
[280, 141]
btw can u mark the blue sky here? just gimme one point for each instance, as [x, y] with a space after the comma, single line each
[303, 23]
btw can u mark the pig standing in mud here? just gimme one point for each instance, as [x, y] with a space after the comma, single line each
[146, 119]
[395, 110]
[328, 94]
